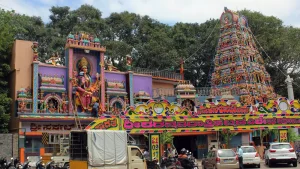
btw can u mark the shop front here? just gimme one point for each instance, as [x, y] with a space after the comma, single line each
[46, 138]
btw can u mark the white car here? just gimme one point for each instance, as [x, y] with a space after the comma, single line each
[250, 156]
[280, 153]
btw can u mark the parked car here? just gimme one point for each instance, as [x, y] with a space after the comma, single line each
[280, 153]
[250, 156]
[221, 159]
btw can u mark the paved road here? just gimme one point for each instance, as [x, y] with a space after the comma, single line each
[263, 166]
[278, 166]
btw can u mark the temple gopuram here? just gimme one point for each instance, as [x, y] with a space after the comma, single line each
[89, 92]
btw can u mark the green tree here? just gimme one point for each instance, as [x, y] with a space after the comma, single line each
[292, 135]
[281, 44]
[12, 26]
[227, 135]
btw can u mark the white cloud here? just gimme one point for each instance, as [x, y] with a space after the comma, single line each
[168, 11]
[25, 7]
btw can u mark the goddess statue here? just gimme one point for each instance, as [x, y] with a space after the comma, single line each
[85, 88]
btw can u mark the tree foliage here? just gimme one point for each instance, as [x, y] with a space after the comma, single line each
[156, 46]
[227, 135]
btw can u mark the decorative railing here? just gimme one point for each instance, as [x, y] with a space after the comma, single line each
[203, 91]
[160, 92]
[156, 73]
[200, 91]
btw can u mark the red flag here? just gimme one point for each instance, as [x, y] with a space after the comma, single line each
[181, 67]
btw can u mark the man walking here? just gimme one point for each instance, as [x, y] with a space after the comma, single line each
[240, 155]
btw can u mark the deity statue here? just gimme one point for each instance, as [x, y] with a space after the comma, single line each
[22, 106]
[110, 66]
[51, 107]
[53, 59]
[85, 87]
[128, 62]
[64, 107]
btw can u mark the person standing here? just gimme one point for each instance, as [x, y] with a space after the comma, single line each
[240, 156]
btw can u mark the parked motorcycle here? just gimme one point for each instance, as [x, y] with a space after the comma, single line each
[3, 163]
[152, 164]
[40, 164]
[51, 165]
[26, 164]
[17, 164]
[189, 162]
[10, 165]
[170, 163]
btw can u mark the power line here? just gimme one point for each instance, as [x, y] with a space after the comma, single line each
[202, 43]
[269, 56]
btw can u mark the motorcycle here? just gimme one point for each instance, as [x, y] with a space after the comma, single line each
[3, 163]
[17, 164]
[10, 165]
[26, 164]
[152, 164]
[40, 164]
[170, 163]
[50, 165]
[189, 162]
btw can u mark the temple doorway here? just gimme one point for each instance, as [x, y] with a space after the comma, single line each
[187, 142]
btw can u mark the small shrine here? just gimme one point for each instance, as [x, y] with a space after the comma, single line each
[24, 100]
[141, 97]
[116, 96]
[186, 95]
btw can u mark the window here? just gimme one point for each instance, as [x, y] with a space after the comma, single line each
[56, 138]
[226, 153]
[136, 153]
[281, 146]
[248, 149]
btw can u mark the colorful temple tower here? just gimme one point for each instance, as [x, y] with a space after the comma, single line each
[238, 66]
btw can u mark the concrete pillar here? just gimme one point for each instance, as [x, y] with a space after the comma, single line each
[102, 79]
[70, 85]
[131, 101]
[35, 86]
[289, 82]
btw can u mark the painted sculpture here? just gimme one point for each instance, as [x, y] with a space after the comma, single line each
[54, 59]
[83, 39]
[128, 62]
[238, 65]
[86, 90]
[34, 48]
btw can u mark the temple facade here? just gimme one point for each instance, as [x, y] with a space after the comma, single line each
[89, 92]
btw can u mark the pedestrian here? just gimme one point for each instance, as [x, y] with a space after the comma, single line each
[214, 148]
[146, 154]
[240, 156]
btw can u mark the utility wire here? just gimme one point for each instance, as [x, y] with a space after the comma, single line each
[270, 57]
[202, 43]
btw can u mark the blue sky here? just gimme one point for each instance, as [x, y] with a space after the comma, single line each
[166, 11]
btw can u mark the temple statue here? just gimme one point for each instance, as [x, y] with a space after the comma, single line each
[86, 91]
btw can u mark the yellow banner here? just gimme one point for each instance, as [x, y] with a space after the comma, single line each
[154, 146]
[104, 124]
[210, 123]
[283, 134]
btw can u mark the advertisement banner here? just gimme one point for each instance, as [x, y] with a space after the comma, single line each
[104, 124]
[283, 136]
[154, 146]
[181, 124]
